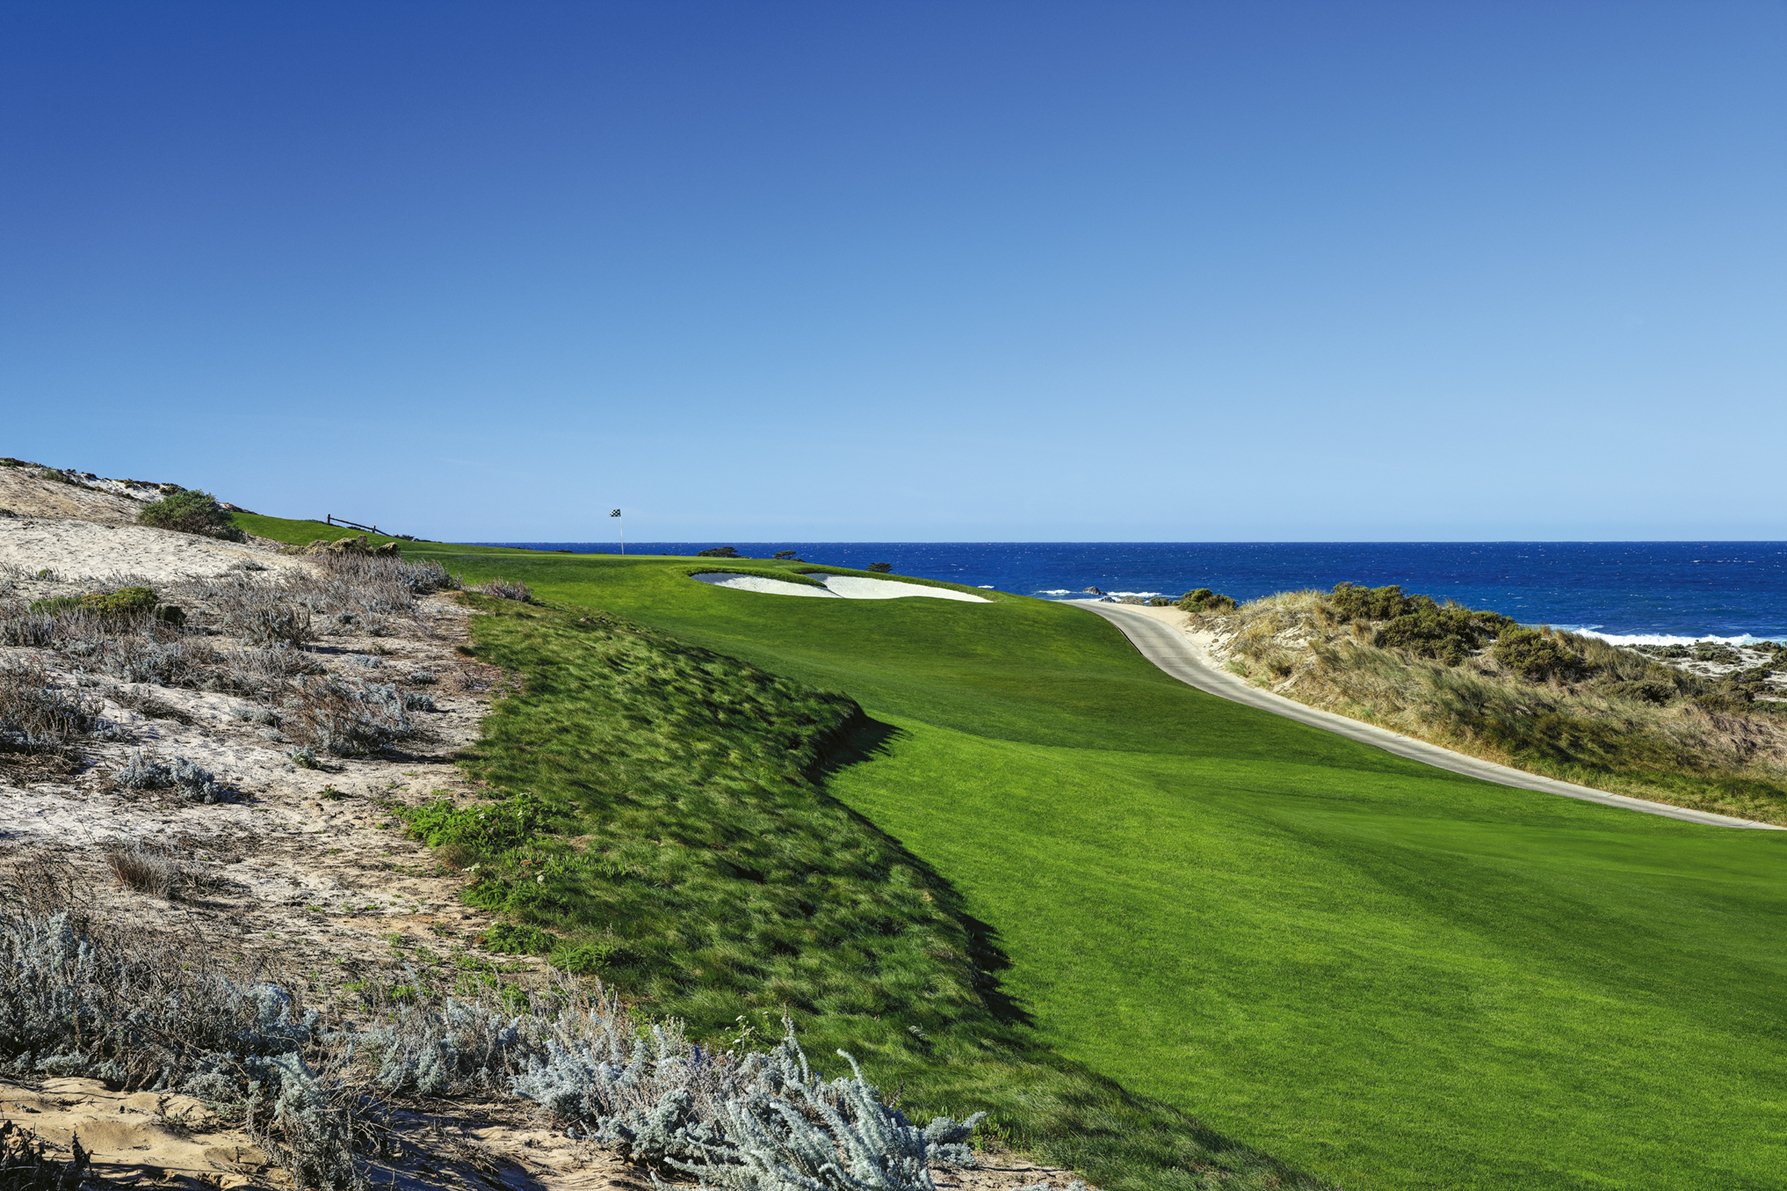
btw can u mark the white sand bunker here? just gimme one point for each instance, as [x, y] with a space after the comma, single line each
[847, 587]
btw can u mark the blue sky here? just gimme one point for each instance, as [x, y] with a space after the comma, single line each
[885, 271]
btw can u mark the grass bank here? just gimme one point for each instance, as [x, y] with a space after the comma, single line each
[1382, 974]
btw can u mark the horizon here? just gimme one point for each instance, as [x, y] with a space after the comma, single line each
[639, 546]
[1283, 273]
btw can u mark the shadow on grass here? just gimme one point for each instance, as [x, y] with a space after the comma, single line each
[864, 738]
[1086, 1129]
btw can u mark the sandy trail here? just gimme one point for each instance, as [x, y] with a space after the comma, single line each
[1157, 634]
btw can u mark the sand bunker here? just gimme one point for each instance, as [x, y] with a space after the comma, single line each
[847, 587]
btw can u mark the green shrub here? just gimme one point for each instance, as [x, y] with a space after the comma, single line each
[718, 552]
[1350, 602]
[881, 568]
[1204, 600]
[486, 828]
[518, 938]
[1644, 690]
[192, 511]
[124, 604]
[1539, 655]
[1447, 632]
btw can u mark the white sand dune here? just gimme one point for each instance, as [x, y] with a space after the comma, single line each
[82, 550]
[847, 587]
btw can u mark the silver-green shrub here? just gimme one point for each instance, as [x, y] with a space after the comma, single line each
[755, 1120]
[145, 770]
[346, 719]
[140, 1015]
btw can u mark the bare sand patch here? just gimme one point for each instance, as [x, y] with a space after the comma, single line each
[83, 551]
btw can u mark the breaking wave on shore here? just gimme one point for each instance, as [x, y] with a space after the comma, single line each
[1665, 638]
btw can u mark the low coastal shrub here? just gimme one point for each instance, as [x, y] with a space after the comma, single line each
[147, 869]
[259, 612]
[1353, 603]
[718, 552]
[881, 568]
[38, 715]
[194, 512]
[757, 1119]
[504, 589]
[347, 719]
[140, 1013]
[1444, 631]
[120, 606]
[1539, 655]
[146, 770]
[1203, 600]
[26, 1164]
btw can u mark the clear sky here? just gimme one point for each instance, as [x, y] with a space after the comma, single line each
[875, 270]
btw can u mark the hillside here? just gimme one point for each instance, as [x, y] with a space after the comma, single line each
[1158, 938]
[229, 960]
[1704, 727]
[1379, 974]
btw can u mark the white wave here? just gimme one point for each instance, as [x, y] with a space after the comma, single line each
[1055, 591]
[1136, 595]
[1664, 638]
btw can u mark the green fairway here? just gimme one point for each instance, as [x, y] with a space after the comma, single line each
[1375, 972]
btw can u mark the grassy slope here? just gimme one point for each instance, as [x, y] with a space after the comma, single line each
[1383, 974]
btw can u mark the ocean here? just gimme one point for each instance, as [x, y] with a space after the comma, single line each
[1632, 592]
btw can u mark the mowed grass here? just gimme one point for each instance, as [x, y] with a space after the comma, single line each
[1382, 974]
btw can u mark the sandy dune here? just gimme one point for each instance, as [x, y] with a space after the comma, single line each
[76, 551]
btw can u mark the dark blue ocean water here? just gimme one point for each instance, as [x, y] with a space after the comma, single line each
[1651, 590]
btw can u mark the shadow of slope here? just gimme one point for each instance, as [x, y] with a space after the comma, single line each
[1084, 1126]
[864, 738]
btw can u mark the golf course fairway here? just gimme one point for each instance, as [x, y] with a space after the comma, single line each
[1379, 974]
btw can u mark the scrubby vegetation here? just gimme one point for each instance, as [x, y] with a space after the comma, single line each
[328, 713]
[504, 589]
[1202, 599]
[148, 868]
[27, 1165]
[121, 605]
[144, 1013]
[131, 634]
[41, 716]
[1557, 703]
[145, 770]
[194, 512]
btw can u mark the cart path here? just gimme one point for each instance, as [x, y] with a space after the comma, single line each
[1167, 648]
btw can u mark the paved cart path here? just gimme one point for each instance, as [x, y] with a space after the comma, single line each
[1167, 647]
